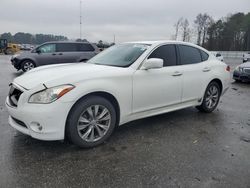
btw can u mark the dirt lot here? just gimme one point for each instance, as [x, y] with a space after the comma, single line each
[185, 148]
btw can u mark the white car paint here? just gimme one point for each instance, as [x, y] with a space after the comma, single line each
[218, 56]
[246, 57]
[140, 93]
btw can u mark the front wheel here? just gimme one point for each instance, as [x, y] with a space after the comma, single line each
[27, 65]
[211, 98]
[90, 122]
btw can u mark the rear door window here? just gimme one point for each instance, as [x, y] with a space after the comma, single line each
[85, 47]
[66, 47]
[189, 55]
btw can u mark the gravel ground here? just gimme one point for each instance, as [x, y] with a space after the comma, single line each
[185, 148]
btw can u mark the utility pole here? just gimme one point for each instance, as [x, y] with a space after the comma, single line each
[114, 38]
[80, 19]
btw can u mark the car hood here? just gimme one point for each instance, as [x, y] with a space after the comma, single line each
[245, 65]
[53, 75]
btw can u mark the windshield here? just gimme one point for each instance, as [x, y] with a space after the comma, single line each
[122, 55]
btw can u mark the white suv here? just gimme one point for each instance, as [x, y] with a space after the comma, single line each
[84, 102]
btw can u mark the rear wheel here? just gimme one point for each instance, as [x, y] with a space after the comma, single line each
[27, 65]
[211, 98]
[91, 122]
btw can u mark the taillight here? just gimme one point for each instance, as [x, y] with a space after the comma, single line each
[228, 68]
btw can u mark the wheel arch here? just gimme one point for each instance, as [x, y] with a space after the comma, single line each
[29, 59]
[219, 82]
[108, 96]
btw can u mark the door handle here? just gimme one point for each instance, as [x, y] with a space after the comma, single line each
[206, 69]
[54, 54]
[60, 54]
[177, 73]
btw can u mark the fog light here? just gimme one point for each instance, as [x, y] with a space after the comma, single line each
[35, 126]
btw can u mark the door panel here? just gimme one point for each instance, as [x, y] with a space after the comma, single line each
[156, 88]
[68, 57]
[193, 81]
[195, 72]
[46, 58]
[46, 54]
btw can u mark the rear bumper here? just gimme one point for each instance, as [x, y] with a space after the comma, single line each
[241, 76]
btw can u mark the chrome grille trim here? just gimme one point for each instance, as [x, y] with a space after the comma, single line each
[246, 70]
[14, 95]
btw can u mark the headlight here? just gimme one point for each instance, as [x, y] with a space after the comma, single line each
[50, 95]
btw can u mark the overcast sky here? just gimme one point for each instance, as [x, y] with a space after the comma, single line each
[128, 19]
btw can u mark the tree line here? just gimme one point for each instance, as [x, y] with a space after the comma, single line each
[27, 38]
[231, 33]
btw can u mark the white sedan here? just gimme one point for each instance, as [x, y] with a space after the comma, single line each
[84, 102]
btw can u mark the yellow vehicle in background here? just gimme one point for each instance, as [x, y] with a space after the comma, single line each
[8, 48]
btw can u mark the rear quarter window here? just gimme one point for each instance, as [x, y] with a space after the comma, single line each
[204, 55]
[66, 47]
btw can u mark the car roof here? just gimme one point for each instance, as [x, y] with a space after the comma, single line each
[159, 42]
[66, 42]
[155, 42]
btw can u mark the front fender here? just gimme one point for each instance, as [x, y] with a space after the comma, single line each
[121, 89]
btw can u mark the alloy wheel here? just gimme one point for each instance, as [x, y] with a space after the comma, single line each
[94, 123]
[212, 97]
[28, 66]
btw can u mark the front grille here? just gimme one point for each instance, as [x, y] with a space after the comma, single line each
[14, 95]
[247, 70]
[19, 122]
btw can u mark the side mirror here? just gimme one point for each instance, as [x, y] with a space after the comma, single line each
[153, 63]
[38, 51]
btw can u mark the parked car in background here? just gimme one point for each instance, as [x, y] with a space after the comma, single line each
[54, 53]
[85, 101]
[246, 57]
[218, 56]
[26, 47]
[242, 72]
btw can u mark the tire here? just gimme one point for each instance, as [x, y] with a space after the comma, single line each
[88, 130]
[8, 51]
[211, 98]
[27, 65]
